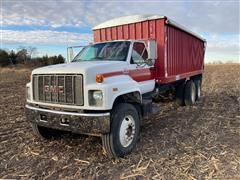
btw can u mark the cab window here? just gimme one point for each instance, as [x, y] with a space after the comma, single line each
[139, 53]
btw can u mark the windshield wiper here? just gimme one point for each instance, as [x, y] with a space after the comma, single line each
[97, 57]
[76, 60]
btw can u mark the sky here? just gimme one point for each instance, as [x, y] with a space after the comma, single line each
[53, 25]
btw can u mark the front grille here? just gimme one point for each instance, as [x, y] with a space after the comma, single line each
[59, 89]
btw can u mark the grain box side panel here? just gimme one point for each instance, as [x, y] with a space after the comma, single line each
[96, 35]
[125, 31]
[114, 33]
[185, 54]
[120, 32]
[108, 34]
[145, 30]
[132, 31]
[139, 30]
[103, 34]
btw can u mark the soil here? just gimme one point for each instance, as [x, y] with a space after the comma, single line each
[198, 142]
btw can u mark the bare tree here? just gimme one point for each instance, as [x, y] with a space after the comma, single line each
[31, 51]
[12, 57]
[25, 53]
[22, 54]
[4, 60]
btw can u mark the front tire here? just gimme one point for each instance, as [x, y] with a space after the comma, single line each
[124, 131]
[44, 132]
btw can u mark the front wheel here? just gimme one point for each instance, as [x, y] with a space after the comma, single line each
[124, 131]
[44, 132]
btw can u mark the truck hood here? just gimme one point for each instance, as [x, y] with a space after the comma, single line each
[85, 67]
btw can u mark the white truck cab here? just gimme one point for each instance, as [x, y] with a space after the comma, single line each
[84, 95]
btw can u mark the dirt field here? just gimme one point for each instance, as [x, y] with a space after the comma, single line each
[179, 143]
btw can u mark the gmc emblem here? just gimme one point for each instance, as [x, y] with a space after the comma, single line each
[54, 89]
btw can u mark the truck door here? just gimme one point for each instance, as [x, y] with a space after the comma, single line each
[139, 70]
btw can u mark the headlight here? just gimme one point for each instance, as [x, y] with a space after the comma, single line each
[95, 98]
[97, 95]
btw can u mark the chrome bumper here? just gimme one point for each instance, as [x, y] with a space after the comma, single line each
[82, 123]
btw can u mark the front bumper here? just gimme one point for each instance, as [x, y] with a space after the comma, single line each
[83, 123]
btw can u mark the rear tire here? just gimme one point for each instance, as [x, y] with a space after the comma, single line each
[124, 131]
[180, 94]
[190, 93]
[44, 132]
[198, 84]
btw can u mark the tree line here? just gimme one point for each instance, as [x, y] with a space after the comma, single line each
[24, 55]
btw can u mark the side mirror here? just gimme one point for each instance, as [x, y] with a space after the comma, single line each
[152, 51]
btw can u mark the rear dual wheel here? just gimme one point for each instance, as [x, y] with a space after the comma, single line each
[188, 92]
[124, 131]
[180, 93]
[198, 84]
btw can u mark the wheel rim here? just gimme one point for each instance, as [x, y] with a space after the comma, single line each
[127, 131]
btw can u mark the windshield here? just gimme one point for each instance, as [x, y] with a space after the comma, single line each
[112, 51]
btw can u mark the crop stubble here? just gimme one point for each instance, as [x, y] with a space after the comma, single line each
[179, 143]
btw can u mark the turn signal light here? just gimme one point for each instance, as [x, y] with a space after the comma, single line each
[99, 78]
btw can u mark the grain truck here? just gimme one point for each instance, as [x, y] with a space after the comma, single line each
[112, 84]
